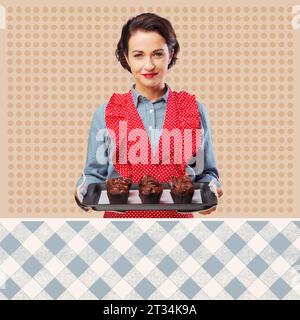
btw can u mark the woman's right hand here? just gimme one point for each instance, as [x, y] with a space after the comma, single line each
[83, 207]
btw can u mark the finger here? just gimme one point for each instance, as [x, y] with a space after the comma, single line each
[205, 213]
[84, 208]
[208, 211]
[213, 188]
[80, 205]
[220, 192]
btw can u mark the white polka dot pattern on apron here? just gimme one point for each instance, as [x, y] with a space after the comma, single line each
[181, 113]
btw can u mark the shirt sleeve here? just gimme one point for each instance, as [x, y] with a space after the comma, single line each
[96, 165]
[204, 169]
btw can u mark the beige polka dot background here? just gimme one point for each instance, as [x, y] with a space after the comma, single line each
[59, 66]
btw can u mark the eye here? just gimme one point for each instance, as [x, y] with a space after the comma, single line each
[157, 53]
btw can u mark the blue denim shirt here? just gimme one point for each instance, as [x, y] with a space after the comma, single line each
[152, 114]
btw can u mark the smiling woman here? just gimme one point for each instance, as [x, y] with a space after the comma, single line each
[148, 48]
[150, 64]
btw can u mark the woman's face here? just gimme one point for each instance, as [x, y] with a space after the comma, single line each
[148, 54]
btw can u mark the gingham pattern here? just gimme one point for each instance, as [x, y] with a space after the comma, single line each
[150, 259]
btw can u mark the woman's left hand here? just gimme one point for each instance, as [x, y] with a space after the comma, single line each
[219, 193]
[215, 187]
[207, 211]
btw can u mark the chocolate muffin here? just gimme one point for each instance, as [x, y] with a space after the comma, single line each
[150, 190]
[118, 190]
[182, 189]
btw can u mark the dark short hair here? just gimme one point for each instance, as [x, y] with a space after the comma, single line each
[147, 22]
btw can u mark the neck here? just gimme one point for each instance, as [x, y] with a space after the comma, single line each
[151, 93]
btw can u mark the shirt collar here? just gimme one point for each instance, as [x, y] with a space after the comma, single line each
[137, 97]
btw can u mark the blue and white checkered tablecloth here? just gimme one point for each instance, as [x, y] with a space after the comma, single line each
[149, 259]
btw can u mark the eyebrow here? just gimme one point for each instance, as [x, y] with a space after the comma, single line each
[142, 51]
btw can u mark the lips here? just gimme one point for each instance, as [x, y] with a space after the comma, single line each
[149, 75]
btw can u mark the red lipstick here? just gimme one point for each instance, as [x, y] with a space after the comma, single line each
[149, 75]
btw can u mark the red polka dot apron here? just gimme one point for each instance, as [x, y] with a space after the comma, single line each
[181, 114]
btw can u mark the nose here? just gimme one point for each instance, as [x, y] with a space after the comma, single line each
[149, 64]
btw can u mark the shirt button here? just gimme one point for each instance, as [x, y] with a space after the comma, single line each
[150, 127]
[151, 110]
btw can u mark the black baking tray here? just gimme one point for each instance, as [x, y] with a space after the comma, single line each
[208, 199]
